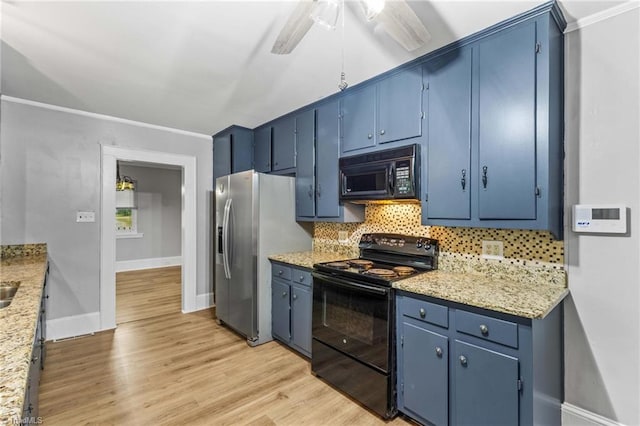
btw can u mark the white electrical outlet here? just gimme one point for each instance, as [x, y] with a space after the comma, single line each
[85, 216]
[343, 236]
[492, 250]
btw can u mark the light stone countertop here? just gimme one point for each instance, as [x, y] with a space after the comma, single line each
[521, 289]
[17, 330]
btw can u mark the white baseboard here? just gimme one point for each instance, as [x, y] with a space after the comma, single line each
[204, 301]
[576, 416]
[75, 325]
[138, 264]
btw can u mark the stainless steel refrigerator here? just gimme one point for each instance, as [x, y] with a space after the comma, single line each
[255, 217]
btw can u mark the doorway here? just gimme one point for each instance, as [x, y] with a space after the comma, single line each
[110, 156]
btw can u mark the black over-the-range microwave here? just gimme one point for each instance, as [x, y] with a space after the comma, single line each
[389, 175]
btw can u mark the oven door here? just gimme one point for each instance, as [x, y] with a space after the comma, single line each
[366, 181]
[353, 318]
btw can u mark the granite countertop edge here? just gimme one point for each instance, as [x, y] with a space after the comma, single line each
[527, 298]
[18, 323]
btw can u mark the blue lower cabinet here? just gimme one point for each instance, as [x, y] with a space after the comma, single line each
[469, 370]
[291, 302]
[425, 374]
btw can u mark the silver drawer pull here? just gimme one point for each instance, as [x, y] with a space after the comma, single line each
[438, 351]
[295, 296]
[284, 294]
[423, 313]
[484, 330]
[301, 277]
[463, 360]
[280, 272]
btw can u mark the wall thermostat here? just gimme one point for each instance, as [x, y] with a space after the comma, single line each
[601, 218]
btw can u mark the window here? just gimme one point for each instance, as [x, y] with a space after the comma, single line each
[126, 222]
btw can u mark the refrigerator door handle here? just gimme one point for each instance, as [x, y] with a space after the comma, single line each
[225, 240]
[230, 243]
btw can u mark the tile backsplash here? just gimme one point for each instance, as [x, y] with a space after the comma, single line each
[534, 246]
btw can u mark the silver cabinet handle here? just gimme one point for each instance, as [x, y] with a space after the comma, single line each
[463, 179]
[438, 351]
[484, 330]
[280, 272]
[463, 360]
[484, 176]
[382, 132]
[295, 296]
[301, 278]
[369, 136]
[284, 294]
[319, 191]
[310, 193]
[423, 313]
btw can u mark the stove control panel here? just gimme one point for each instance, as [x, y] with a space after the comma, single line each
[405, 244]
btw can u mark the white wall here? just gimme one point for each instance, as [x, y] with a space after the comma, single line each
[51, 169]
[602, 315]
[159, 202]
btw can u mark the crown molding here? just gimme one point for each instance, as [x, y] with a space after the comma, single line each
[601, 16]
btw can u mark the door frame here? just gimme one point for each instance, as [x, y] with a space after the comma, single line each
[109, 156]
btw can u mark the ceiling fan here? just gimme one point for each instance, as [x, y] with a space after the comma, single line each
[395, 16]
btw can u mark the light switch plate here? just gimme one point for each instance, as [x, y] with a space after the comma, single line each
[85, 216]
[492, 250]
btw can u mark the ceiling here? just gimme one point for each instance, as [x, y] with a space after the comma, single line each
[202, 66]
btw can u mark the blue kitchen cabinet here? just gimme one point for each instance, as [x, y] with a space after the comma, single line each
[280, 309]
[507, 124]
[358, 114]
[448, 111]
[486, 388]
[262, 149]
[463, 365]
[305, 132]
[387, 111]
[283, 144]
[232, 151]
[291, 304]
[317, 186]
[425, 373]
[514, 178]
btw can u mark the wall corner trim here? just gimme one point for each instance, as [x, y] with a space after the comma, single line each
[601, 16]
[73, 326]
[576, 416]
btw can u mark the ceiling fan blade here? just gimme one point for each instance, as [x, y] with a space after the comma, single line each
[403, 25]
[295, 28]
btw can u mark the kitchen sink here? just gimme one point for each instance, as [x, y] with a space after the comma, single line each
[8, 289]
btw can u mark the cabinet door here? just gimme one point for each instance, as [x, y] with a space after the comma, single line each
[284, 144]
[327, 153]
[301, 301]
[400, 106]
[280, 310]
[486, 387]
[262, 149]
[221, 156]
[358, 119]
[305, 173]
[425, 375]
[241, 150]
[507, 126]
[448, 99]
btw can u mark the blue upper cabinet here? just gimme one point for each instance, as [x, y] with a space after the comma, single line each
[284, 144]
[448, 124]
[387, 111]
[359, 119]
[262, 149]
[317, 167]
[400, 106]
[305, 175]
[507, 124]
[232, 151]
[514, 178]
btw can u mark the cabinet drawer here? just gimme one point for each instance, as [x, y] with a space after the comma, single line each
[281, 271]
[301, 276]
[484, 327]
[425, 311]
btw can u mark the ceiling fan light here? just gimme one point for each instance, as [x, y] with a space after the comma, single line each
[372, 8]
[326, 13]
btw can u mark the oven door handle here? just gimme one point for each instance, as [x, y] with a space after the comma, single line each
[350, 284]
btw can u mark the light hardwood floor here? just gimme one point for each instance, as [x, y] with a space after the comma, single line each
[174, 369]
[147, 293]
